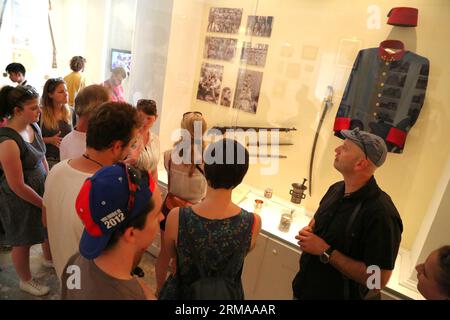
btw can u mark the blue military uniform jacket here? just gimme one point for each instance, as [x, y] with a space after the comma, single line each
[385, 93]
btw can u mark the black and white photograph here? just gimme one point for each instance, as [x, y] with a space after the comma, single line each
[259, 26]
[254, 54]
[220, 48]
[248, 87]
[210, 83]
[225, 98]
[224, 20]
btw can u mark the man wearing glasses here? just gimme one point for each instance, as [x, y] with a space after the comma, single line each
[356, 227]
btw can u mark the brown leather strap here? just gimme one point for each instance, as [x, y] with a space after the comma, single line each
[168, 174]
[254, 223]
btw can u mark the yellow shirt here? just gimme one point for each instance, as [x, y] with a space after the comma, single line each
[74, 82]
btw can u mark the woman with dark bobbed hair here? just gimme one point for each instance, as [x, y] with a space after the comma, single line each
[214, 235]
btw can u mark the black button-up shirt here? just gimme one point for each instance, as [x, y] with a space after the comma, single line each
[374, 239]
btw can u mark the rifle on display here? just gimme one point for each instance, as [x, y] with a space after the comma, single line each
[279, 156]
[257, 129]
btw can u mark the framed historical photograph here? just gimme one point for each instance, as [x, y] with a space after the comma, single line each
[248, 87]
[224, 20]
[225, 98]
[220, 48]
[259, 26]
[254, 55]
[210, 83]
[121, 58]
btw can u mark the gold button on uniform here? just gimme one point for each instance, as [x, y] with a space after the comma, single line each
[382, 84]
[379, 95]
[377, 104]
[384, 73]
[375, 114]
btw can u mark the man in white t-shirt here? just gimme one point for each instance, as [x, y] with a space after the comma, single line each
[87, 100]
[111, 132]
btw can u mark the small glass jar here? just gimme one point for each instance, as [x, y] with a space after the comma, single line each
[258, 205]
[285, 221]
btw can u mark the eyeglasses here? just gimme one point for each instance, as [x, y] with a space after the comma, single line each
[146, 101]
[29, 91]
[52, 83]
[361, 139]
[194, 112]
[59, 79]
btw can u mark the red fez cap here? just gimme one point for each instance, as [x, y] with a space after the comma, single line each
[403, 17]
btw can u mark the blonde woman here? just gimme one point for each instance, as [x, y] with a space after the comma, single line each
[186, 182]
[55, 119]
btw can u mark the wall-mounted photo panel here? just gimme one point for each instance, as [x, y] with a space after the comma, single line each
[224, 20]
[259, 26]
[121, 58]
[248, 87]
[210, 83]
[226, 97]
[254, 55]
[220, 48]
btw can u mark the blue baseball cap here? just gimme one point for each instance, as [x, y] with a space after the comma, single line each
[114, 195]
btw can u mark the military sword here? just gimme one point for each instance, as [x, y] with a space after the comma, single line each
[328, 103]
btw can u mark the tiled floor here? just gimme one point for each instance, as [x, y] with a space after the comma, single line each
[9, 282]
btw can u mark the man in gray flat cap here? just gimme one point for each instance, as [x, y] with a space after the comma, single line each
[351, 245]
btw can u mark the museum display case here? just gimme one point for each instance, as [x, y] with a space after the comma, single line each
[286, 76]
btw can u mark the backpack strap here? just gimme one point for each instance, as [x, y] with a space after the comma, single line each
[347, 242]
[253, 225]
[168, 174]
[200, 169]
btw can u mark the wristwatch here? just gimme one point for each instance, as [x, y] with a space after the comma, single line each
[325, 256]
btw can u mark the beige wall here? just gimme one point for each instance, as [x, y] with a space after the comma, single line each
[314, 44]
[81, 27]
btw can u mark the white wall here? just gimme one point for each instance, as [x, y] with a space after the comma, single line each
[36, 52]
[150, 47]
[83, 30]
[434, 230]
[184, 44]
